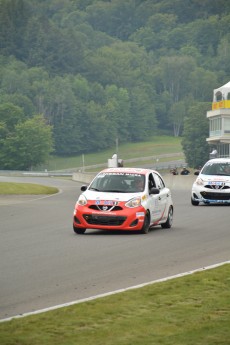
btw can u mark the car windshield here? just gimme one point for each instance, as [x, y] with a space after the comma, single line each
[220, 169]
[118, 182]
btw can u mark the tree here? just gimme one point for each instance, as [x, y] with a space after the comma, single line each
[202, 82]
[21, 101]
[223, 54]
[177, 112]
[14, 78]
[117, 18]
[96, 124]
[206, 34]
[196, 130]
[104, 69]
[118, 111]
[14, 15]
[143, 119]
[10, 116]
[68, 132]
[63, 110]
[120, 63]
[175, 72]
[28, 145]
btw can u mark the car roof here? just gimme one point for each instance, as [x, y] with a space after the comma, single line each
[219, 160]
[141, 171]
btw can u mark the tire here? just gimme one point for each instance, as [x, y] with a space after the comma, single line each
[145, 227]
[169, 221]
[194, 202]
[79, 231]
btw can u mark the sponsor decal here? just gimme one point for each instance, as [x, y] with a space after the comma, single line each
[156, 212]
[216, 179]
[120, 174]
[156, 203]
[106, 202]
[140, 214]
[215, 183]
[109, 202]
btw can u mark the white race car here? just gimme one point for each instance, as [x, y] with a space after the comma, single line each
[212, 185]
[131, 199]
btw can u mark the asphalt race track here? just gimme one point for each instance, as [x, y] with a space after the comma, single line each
[43, 263]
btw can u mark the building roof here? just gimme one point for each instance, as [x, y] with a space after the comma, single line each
[222, 93]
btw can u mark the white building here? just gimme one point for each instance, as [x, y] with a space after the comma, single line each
[219, 122]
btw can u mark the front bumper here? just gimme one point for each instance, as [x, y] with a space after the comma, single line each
[125, 219]
[209, 197]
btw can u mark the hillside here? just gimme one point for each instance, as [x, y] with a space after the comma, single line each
[101, 71]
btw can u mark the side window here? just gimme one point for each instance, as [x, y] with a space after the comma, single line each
[159, 182]
[152, 182]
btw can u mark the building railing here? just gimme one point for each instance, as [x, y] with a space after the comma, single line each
[221, 105]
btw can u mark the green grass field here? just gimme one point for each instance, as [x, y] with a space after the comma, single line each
[157, 146]
[193, 309]
[12, 188]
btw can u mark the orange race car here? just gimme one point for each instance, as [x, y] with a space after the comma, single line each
[132, 199]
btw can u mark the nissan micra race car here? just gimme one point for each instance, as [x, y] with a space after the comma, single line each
[212, 185]
[124, 199]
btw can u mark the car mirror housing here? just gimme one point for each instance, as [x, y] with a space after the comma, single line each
[83, 188]
[154, 191]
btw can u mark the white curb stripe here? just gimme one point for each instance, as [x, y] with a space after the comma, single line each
[114, 292]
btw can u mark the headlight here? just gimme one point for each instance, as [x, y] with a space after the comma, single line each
[199, 182]
[82, 201]
[135, 202]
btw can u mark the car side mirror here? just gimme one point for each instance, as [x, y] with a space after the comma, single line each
[83, 188]
[196, 173]
[154, 191]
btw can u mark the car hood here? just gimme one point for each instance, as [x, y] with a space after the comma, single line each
[93, 195]
[213, 178]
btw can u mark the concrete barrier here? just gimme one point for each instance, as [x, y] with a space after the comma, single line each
[83, 177]
[171, 181]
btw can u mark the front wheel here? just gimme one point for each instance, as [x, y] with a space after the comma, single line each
[169, 221]
[194, 202]
[79, 231]
[145, 227]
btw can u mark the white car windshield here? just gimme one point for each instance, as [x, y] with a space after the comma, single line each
[118, 182]
[216, 169]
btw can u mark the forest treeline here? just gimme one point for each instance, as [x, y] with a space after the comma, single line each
[93, 72]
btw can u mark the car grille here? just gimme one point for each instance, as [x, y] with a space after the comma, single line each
[109, 220]
[105, 208]
[216, 187]
[215, 196]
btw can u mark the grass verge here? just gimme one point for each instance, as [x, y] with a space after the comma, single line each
[157, 145]
[12, 188]
[194, 309]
